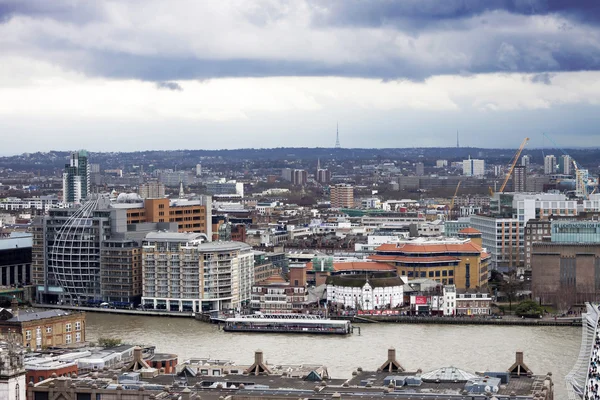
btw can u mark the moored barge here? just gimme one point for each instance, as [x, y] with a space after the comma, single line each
[287, 323]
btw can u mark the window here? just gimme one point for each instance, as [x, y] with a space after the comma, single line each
[78, 326]
[48, 329]
[68, 339]
[431, 274]
[27, 335]
[68, 328]
[77, 337]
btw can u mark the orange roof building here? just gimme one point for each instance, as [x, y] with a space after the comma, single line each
[460, 262]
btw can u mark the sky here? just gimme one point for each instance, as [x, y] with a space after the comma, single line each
[135, 75]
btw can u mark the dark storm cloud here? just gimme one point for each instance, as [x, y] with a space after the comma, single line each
[169, 86]
[462, 45]
[544, 78]
[419, 14]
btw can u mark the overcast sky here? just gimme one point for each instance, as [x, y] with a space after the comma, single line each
[152, 74]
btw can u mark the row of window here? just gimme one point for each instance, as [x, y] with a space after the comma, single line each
[432, 274]
[68, 328]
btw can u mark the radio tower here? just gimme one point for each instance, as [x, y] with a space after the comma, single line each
[457, 146]
[337, 136]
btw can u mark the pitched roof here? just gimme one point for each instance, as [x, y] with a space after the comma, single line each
[36, 315]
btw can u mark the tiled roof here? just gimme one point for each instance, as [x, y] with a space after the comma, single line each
[469, 230]
[423, 260]
[401, 248]
[362, 266]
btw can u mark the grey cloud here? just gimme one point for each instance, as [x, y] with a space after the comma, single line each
[169, 86]
[472, 50]
[544, 78]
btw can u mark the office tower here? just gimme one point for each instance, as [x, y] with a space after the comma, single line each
[526, 161]
[286, 174]
[152, 190]
[420, 169]
[549, 164]
[342, 196]
[520, 179]
[473, 167]
[441, 163]
[565, 165]
[76, 178]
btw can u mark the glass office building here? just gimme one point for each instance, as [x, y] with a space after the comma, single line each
[575, 231]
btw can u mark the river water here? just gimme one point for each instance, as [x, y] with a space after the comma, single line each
[470, 347]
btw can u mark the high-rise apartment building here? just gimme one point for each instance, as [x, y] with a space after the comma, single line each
[323, 176]
[420, 169]
[581, 180]
[152, 190]
[76, 178]
[549, 164]
[526, 161]
[299, 177]
[89, 254]
[565, 165]
[519, 179]
[342, 196]
[184, 273]
[473, 167]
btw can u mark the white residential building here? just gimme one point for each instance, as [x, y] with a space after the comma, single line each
[449, 305]
[183, 273]
[473, 167]
[549, 164]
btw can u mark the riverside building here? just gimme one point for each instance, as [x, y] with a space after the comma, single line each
[183, 272]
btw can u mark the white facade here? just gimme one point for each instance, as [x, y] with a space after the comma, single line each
[581, 180]
[365, 297]
[39, 203]
[441, 163]
[181, 273]
[473, 167]
[12, 373]
[449, 305]
[549, 164]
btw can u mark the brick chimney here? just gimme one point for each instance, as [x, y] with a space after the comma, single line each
[14, 305]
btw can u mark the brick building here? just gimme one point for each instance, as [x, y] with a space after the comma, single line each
[40, 329]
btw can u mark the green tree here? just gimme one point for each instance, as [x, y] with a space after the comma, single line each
[109, 342]
[529, 308]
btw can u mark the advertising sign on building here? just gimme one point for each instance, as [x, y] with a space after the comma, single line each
[420, 300]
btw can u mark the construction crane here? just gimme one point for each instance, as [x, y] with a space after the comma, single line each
[513, 163]
[454, 197]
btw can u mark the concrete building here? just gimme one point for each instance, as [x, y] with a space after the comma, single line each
[526, 161]
[76, 178]
[152, 190]
[182, 272]
[342, 196]
[581, 181]
[565, 165]
[461, 262]
[299, 177]
[15, 259]
[549, 164]
[441, 163]
[225, 187]
[473, 167]
[41, 203]
[503, 238]
[536, 230]
[419, 169]
[13, 385]
[519, 179]
[323, 176]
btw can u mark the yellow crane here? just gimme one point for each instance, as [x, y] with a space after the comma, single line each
[454, 197]
[513, 163]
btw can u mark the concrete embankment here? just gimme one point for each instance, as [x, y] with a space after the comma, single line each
[463, 321]
[117, 310]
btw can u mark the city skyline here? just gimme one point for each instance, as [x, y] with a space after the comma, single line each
[116, 76]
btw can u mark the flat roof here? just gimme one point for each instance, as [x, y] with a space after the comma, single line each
[290, 321]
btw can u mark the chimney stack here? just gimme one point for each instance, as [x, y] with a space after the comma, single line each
[14, 305]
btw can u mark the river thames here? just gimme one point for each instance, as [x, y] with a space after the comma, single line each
[470, 347]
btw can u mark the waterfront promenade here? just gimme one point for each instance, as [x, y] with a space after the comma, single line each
[154, 313]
